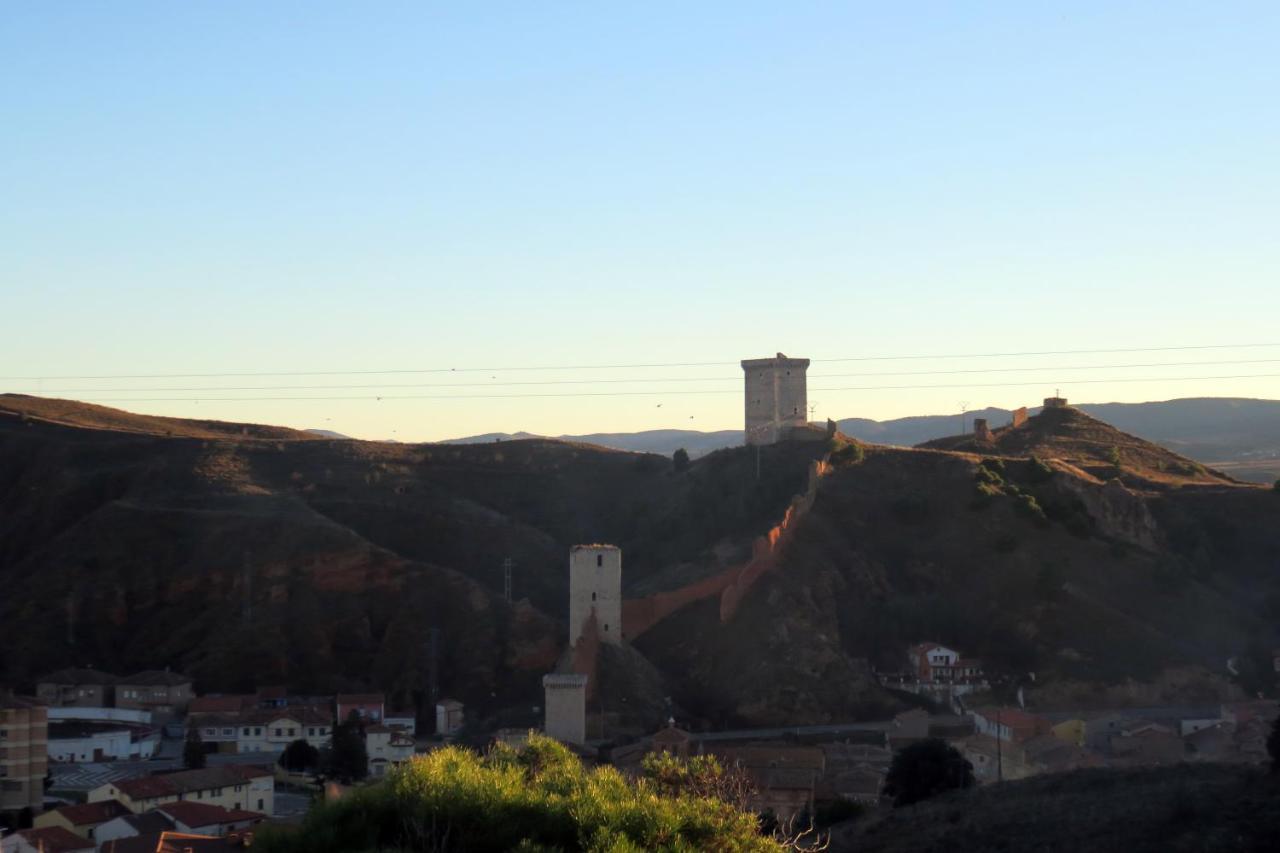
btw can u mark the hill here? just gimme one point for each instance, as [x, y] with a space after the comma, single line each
[324, 563]
[1238, 436]
[1069, 435]
[1188, 807]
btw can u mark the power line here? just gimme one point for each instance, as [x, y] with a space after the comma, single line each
[704, 392]
[942, 356]
[541, 382]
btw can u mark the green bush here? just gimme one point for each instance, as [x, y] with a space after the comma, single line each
[1113, 457]
[848, 453]
[536, 798]
[1041, 471]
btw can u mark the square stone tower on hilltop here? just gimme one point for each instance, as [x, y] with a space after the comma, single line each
[776, 397]
[595, 584]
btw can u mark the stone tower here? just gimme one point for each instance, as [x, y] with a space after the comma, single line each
[776, 397]
[565, 711]
[595, 584]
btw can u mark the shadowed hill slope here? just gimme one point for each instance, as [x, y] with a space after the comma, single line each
[324, 564]
[1190, 807]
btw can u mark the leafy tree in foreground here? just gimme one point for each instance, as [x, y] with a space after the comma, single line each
[536, 798]
[924, 769]
[193, 749]
[680, 460]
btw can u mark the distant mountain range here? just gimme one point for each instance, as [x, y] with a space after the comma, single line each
[1241, 436]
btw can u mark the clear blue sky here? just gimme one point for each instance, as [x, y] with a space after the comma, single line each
[227, 187]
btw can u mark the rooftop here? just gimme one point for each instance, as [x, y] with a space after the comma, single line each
[156, 678]
[91, 814]
[75, 676]
[205, 814]
[54, 839]
[174, 784]
[361, 699]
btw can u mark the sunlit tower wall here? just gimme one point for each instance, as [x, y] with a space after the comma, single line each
[776, 397]
[595, 583]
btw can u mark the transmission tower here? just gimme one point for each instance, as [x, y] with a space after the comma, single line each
[507, 565]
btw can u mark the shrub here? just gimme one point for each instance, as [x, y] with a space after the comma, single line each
[1275, 487]
[680, 460]
[1028, 505]
[1041, 471]
[837, 811]
[924, 769]
[848, 453]
[536, 798]
[1113, 457]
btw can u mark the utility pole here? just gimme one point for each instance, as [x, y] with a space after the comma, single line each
[999, 751]
[507, 564]
[964, 410]
[433, 672]
[246, 569]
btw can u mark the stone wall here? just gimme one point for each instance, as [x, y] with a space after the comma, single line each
[1019, 417]
[732, 584]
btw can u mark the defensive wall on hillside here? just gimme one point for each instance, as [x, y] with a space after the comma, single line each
[732, 584]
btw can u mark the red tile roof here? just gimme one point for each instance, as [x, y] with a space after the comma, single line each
[175, 842]
[173, 784]
[361, 699]
[193, 814]
[219, 704]
[92, 814]
[55, 839]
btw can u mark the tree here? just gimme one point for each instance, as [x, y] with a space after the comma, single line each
[348, 758]
[539, 797]
[680, 460]
[1113, 456]
[1273, 746]
[927, 768]
[193, 756]
[1275, 487]
[299, 756]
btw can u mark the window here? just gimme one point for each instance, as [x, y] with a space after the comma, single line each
[228, 732]
[260, 804]
[210, 732]
[279, 732]
[238, 787]
[4, 734]
[599, 560]
[199, 795]
[246, 731]
[311, 731]
[291, 731]
[606, 626]
[593, 596]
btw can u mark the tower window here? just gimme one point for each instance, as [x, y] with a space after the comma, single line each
[599, 560]
[593, 596]
[606, 626]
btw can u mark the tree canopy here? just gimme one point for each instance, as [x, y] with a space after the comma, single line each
[924, 769]
[348, 759]
[539, 797]
[193, 756]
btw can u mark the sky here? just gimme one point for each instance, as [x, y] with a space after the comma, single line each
[478, 192]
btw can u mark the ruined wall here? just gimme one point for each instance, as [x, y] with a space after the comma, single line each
[1118, 512]
[732, 584]
[1019, 417]
[981, 432]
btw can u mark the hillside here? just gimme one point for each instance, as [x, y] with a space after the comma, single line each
[1189, 807]
[1097, 448]
[324, 564]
